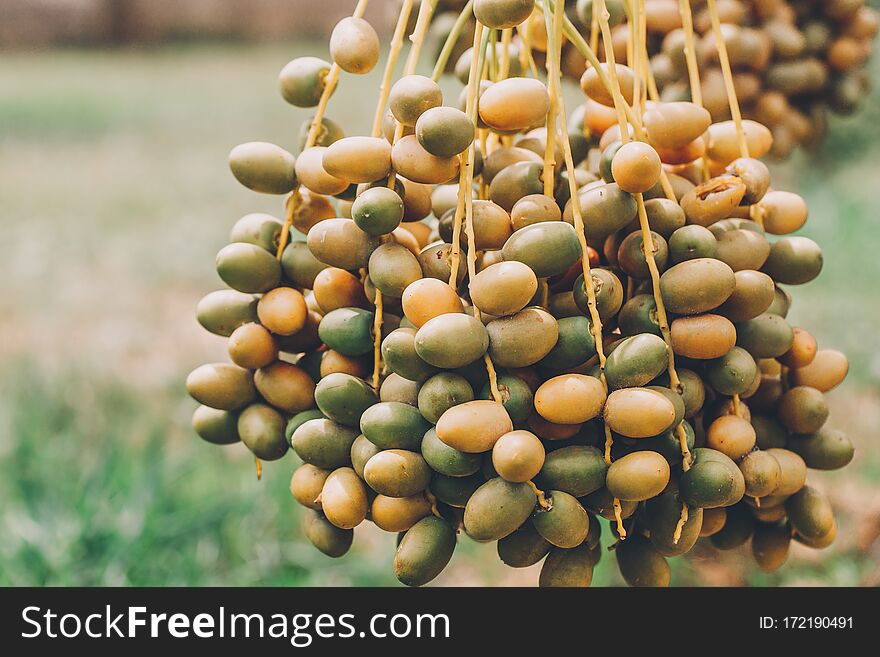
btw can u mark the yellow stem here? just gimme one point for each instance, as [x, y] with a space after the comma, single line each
[426, 10]
[377, 341]
[631, 38]
[484, 136]
[465, 195]
[542, 499]
[290, 206]
[393, 54]
[728, 79]
[506, 36]
[590, 55]
[553, 89]
[647, 244]
[451, 40]
[432, 499]
[653, 94]
[330, 82]
[642, 57]
[472, 240]
[417, 38]
[594, 28]
[620, 105]
[683, 446]
[493, 60]
[595, 319]
[493, 379]
[480, 42]
[647, 240]
[690, 55]
[617, 516]
[360, 9]
[682, 519]
[756, 214]
[526, 57]
[259, 466]
[690, 51]
[579, 227]
[662, 318]
[384, 90]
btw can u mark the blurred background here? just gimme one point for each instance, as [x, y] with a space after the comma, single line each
[116, 117]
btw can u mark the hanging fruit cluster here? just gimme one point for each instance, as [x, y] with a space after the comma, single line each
[472, 339]
[793, 61]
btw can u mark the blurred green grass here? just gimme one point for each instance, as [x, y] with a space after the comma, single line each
[115, 197]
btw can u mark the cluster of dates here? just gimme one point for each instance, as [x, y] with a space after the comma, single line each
[793, 60]
[429, 347]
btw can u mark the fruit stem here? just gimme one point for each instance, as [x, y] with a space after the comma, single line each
[393, 54]
[290, 206]
[468, 165]
[651, 82]
[728, 78]
[589, 54]
[690, 55]
[690, 51]
[594, 27]
[451, 40]
[555, 92]
[433, 500]
[384, 90]
[417, 38]
[377, 341]
[756, 213]
[259, 466]
[526, 57]
[686, 456]
[484, 136]
[641, 55]
[621, 107]
[330, 81]
[682, 519]
[543, 502]
[481, 39]
[635, 63]
[621, 531]
[465, 207]
[506, 36]
[554, 26]
[329, 86]
[662, 318]
[619, 103]
[493, 379]
[492, 62]
[426, 10]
